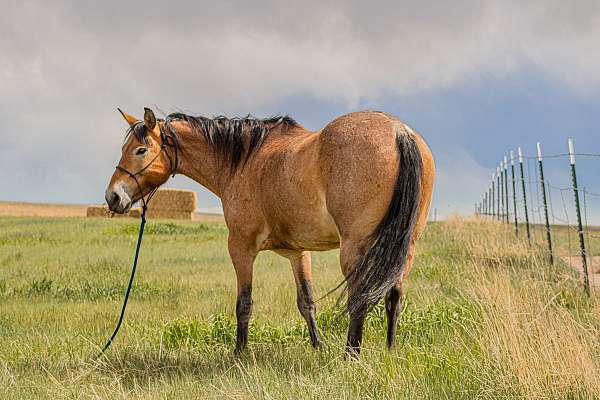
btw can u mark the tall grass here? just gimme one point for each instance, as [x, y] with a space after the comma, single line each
[485, 317]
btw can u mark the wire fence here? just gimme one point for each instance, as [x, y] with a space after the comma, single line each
[549, 210]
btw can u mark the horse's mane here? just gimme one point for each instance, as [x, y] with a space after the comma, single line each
[224, 135]
[236, 139]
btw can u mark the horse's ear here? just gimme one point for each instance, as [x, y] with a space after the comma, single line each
[149, 119]
[131, 120]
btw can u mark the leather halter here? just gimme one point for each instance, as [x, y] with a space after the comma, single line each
[167, 141]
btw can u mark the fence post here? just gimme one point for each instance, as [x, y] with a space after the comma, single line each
[512, 167]
[524, 195]
[490, 200]
[506, 190]
[485, 203]
[493, 200]
[502, 190]
[498, 210]
[586, 278]
[543, 186]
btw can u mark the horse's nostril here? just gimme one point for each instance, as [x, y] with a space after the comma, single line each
[115, 198]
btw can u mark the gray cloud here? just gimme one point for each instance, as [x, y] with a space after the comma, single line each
[65, 66]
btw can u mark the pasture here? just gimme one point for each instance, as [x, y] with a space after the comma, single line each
[485, 317]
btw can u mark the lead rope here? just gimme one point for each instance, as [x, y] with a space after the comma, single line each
[129, 286]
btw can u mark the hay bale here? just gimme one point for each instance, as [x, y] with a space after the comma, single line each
[173, 200]
[97, 211]
[168, 214]
[103, 212]
[134, 213]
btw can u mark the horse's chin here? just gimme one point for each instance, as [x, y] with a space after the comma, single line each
[120, 209]
[126, 209]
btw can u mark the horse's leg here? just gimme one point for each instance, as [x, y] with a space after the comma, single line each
[350, 251]
[394, 301]
[301, 265]
[243, 260]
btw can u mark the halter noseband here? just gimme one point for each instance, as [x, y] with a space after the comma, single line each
[167, 141]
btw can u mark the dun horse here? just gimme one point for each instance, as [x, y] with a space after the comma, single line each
[363, 184]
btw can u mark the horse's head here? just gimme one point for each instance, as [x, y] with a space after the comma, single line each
[144, 165]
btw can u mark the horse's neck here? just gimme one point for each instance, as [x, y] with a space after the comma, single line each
[199, 162]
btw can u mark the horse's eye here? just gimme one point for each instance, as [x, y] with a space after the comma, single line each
[141, 151]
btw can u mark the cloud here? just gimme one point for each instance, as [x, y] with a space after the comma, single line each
[66, 66]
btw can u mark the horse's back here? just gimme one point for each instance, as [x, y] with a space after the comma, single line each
[316, 187]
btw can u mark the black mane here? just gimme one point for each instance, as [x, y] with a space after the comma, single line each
[236, 139]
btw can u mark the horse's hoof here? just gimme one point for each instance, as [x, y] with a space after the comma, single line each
[352, 354]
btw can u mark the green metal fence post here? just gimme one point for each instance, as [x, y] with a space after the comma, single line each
[493, 196]
[502, 190]
[498, 209]
[485, 203]
[514, 191]
[586, 277]
[490, 199]
[506, 190]
[543, 187]
[524, 195]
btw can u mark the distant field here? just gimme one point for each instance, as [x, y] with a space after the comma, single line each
[486, 317]
[23, 209]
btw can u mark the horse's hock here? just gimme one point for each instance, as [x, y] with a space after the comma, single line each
[166, 203]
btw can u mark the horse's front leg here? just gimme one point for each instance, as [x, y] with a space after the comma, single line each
[242, 257]
[301, 265]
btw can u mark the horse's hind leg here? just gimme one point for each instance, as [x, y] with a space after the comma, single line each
[301, 265]
[393, 306]
[350, 251]
[394, 301]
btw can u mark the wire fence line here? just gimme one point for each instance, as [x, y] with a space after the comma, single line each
[546, 213]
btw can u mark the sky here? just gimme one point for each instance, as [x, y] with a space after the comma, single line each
[475, 78]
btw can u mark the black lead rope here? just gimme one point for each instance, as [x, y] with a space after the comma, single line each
[149, 195]
[129, 286]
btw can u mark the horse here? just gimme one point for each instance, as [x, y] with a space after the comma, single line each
[363, 184]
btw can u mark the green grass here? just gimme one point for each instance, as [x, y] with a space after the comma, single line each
[485, 317]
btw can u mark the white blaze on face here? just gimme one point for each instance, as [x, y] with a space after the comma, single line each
[123, 191]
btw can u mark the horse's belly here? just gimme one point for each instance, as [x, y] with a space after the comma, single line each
[312, 229]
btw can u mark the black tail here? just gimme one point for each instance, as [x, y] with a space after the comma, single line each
[380, 267]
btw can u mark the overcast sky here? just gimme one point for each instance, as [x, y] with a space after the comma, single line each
[475, 78]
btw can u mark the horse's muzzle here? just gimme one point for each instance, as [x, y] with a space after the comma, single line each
[118, 200]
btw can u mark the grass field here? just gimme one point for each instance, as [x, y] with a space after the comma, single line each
[485, 317]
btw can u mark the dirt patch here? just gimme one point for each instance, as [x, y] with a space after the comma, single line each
[21, 209]
[593, 264]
